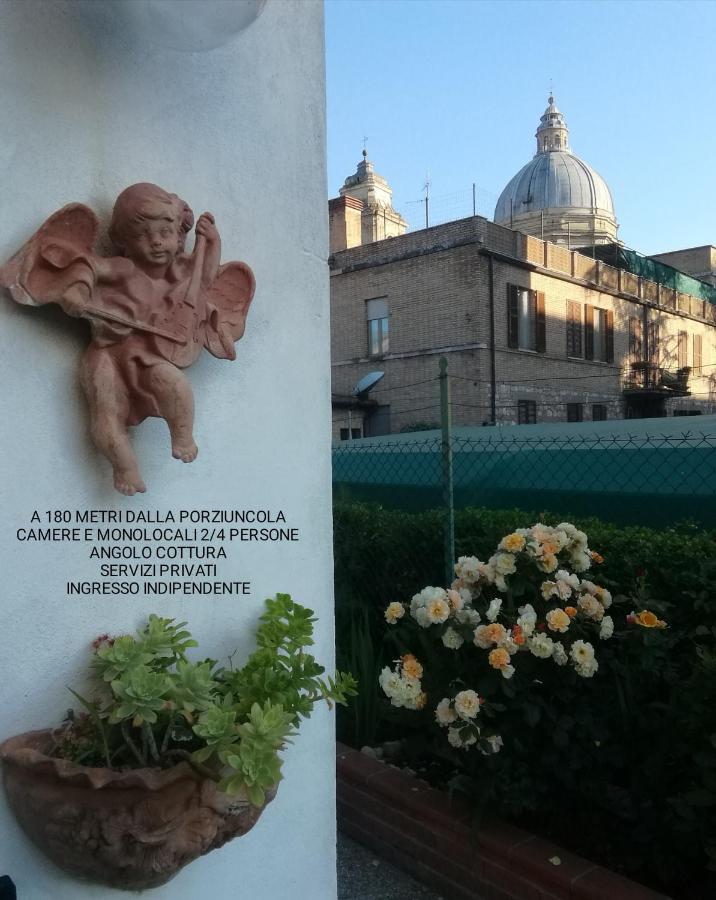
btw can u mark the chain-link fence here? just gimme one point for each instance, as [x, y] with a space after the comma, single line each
[627, 476]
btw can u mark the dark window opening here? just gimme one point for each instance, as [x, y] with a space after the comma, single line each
[575, 412]
[526, 412]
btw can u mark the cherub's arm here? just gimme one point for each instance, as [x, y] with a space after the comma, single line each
[88, 272]
[206, 227]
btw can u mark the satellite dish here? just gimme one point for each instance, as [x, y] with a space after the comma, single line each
[367, 383]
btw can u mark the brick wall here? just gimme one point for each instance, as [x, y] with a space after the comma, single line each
[437, 286]
[419, 829]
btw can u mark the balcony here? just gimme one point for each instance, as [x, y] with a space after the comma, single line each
[645, 377]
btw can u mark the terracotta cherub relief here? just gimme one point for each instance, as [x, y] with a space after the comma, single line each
[152, 310]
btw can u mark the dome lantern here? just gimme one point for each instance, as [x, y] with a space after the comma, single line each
[552, 133]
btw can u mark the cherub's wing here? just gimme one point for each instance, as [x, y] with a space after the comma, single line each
[231, 295]
[41, 269]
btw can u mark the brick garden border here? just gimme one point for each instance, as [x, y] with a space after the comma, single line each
[417, 828]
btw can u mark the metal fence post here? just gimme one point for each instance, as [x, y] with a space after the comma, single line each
[447, 471]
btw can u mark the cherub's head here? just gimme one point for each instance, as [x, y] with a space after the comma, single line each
[149, 225]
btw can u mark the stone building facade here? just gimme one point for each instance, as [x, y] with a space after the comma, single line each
[697, 261]
[532, 332]
[364, 210]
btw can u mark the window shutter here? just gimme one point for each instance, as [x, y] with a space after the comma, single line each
[574, 329]
[512, 318]
[698, 354]
[683, 349]
[653, 342]
[609, 336]
[635, 341]
[540, 323]
[588, 331]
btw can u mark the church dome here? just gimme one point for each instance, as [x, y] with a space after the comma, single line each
[556, 188]
[552, 180]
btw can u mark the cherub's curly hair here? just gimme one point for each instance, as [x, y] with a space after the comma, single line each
[128, 208]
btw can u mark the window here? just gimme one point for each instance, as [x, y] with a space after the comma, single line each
[683, 356]
[352, 434]
[525, 319]
[377, 317]
[687, 412]
[526, 412]
[652, 340]
[698, 354]
[574, 329]
[636, 343]
[598, 334]
[599, 412]
[575, 412]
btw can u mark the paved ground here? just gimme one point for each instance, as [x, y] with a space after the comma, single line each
[364, 876]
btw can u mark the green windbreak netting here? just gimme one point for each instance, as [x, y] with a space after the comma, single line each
[622, 258]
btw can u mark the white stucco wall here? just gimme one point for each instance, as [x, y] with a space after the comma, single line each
[238, 130]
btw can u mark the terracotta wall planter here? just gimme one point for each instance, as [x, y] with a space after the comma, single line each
[416, 827]
[130, 830]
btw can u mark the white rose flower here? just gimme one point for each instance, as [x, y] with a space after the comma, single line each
[389, 681]
[591, 607]
[606, 629]
[454, 738]
[487, 571]
[452, 640]
[567, 528]
[481, 638]
[496, 743]
[426, 596]
[507, 643]
[467, 704]
[604, 597]
[587, 670]
[468, 616]
[569, 578]
[437, 611]
[493, 610]
[580, 560]
[527, 619]
[504, 563]
[394, 612]
[467, 568]
[421, 617]
[582, 653]
[444, 713]
[540, 645]
[559, 654]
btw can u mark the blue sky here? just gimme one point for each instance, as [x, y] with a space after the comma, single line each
[456, 88]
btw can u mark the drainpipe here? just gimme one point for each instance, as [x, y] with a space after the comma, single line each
[491, 287]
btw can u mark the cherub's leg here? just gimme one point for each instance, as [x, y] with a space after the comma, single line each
[109, 407]
[175, 400]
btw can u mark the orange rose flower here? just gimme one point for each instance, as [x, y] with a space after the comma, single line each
[499, 658]
[571, 611]
[411, 667]
[648, 620]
